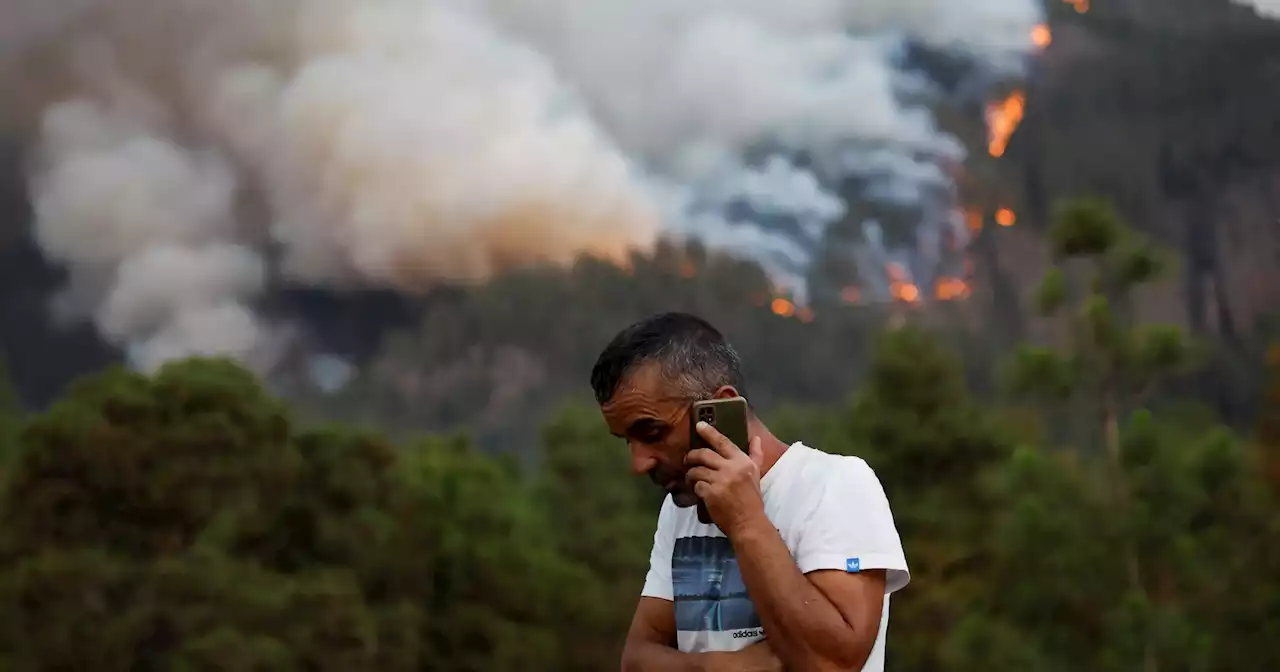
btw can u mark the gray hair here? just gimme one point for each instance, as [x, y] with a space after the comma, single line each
[693, 357]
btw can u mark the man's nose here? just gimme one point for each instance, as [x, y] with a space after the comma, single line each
[642, 459]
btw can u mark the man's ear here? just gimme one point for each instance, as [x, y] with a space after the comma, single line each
[726, 392]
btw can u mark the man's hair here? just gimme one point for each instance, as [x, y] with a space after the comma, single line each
[693, 357]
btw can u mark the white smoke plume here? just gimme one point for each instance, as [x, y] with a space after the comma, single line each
[1267, 8]
[200, 150]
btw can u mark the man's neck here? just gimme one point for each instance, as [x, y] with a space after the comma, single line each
[772, 446]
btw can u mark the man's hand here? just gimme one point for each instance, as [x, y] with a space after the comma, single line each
[646, 657]
[755, 658]
[651, 646]
[727, 479]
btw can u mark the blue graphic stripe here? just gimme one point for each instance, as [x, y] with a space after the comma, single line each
[710, 594]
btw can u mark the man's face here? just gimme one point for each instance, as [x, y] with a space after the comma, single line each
[655, 423]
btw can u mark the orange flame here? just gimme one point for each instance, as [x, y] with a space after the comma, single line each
[782, 307]
[1002, 120]
[973, 219]
[1041, 36]
[948, 289]
[1081, 6]
[1006, 217]
[900, 288]
[786, 308]
[905, 292]
[851, 294]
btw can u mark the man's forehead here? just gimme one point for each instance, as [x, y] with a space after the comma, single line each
[642, 390]
[641, 380]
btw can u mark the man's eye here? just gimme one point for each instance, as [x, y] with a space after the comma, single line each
[652, 436]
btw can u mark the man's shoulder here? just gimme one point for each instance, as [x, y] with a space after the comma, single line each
[828, 483]
[818, 467]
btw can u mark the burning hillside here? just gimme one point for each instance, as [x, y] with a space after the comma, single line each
[192, 157]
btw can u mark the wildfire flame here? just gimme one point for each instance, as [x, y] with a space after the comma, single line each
[1081, 6]
[905, 292]
[973, 219]
[1041, 36]
[778, 305]
[785, 308]
[900, 287]
[1002, 120]
[949, 289]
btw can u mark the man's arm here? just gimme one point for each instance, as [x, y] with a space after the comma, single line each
[827, 620]
[822, 609]
[848, 544]
[651, 645]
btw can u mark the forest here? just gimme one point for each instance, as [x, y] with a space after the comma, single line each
[1081, 518]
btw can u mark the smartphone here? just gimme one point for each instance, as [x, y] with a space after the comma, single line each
[729, 417]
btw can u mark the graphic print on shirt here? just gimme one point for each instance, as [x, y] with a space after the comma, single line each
[710, 595]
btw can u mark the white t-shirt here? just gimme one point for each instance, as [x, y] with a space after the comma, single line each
[831, 512]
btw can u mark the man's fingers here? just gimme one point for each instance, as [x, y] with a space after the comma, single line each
[756, 451]
[716, 440]
[698, 475]
[705, 457]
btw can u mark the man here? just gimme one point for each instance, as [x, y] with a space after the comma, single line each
[796, 572]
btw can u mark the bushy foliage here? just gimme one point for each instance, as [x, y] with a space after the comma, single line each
[188, 522]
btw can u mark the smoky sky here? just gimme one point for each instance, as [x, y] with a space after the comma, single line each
[185, 157]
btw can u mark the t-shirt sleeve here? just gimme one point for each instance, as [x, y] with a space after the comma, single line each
[850, 527]
[657, 583]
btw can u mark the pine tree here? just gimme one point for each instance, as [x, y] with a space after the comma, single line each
[1268, 434]
[1109, 364]
[11, 413]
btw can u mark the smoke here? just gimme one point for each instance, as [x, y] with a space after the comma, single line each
[143, 225]
[201, 151]
[1266, 8]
